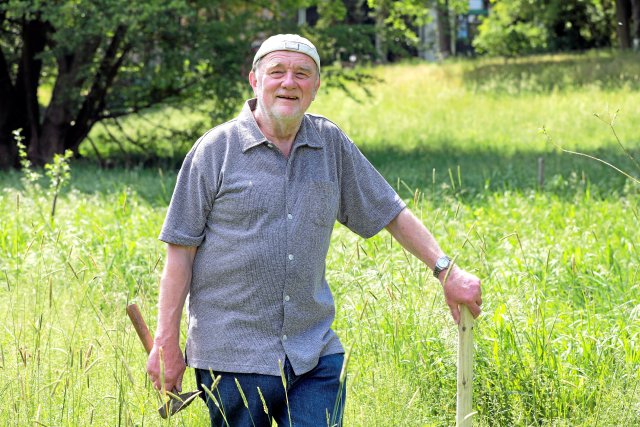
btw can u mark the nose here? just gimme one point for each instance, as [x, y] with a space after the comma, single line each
[289, 81]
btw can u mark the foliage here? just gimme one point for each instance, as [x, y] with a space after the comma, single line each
[505, 33]
[58, 173]
[402, 17]
[339, 42]
[330, 12]
[516, 27]
[30, 176]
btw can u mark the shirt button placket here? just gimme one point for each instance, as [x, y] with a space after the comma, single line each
[290, 257]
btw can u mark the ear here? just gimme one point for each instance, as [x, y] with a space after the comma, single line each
[315, 88]
[253, 81]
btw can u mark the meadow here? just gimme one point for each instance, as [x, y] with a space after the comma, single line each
[558, 343]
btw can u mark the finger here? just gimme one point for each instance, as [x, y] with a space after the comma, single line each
[474, 309]
[455, 313]
[178, 385]
[159, 383]
[170, 384]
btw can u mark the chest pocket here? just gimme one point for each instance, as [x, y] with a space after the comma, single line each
[322, 203]
[239, 208]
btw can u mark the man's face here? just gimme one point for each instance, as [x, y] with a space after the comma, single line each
[285, 83]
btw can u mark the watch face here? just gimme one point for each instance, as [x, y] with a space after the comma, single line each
[442, 263]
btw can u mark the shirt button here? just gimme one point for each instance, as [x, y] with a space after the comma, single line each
[290, 257]
[289, 216]
[286, 298]
[270, 145]
[284, 338]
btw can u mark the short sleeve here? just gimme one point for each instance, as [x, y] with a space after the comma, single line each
[367, 202]
[192, 199]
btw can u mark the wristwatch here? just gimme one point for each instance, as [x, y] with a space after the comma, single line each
[441, 264]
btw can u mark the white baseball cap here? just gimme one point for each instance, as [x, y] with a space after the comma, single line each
[290, 42]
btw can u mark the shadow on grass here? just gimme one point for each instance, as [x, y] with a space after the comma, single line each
[472, 173]
[152, 184]
[464, 174]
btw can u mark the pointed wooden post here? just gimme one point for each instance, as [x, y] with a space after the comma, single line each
[464, 411]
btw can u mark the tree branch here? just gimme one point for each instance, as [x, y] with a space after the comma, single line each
[95, 100]
[159, 98]
[131, 140]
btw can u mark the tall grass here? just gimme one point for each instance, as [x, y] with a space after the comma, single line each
[558, 343]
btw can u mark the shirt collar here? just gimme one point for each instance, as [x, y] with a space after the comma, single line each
[251, 135]
[248, 130]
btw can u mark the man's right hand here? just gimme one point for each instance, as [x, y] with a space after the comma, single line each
[174, 367]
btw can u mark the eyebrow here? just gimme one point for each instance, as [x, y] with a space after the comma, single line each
[276, 64]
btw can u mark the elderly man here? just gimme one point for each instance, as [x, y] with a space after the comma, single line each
[248, 231]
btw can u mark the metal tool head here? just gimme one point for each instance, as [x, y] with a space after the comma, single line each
[176, 403]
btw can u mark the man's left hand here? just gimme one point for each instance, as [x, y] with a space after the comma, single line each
[461, 288]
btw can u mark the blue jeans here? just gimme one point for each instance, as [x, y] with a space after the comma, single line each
[313, 399]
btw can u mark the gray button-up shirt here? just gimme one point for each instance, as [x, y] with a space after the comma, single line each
[262, 224]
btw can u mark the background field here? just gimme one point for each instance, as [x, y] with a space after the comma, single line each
[558, 343]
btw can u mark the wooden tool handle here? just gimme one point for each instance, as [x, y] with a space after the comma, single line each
[465, 369]
[141, 328]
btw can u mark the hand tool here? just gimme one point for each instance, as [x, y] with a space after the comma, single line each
[177, 401]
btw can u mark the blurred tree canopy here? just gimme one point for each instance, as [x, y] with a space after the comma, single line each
[517, 27]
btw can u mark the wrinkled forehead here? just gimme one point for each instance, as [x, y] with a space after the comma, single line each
[284, 58]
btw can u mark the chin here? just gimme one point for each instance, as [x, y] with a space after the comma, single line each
[287, 113]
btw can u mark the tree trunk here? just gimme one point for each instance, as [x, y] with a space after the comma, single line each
[444, 29]
[34, 37]
[57, 116]
[8, 111]
[635, 29]
[622, 21]
[381, 42]
[8, 152]
[19, 108]
[60, 114]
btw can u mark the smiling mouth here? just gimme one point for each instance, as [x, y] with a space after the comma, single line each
[289, 98]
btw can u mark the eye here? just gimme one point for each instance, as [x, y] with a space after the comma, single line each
[277, 72]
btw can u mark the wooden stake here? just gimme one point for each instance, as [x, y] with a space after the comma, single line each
[464, 412]
[541, 172]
